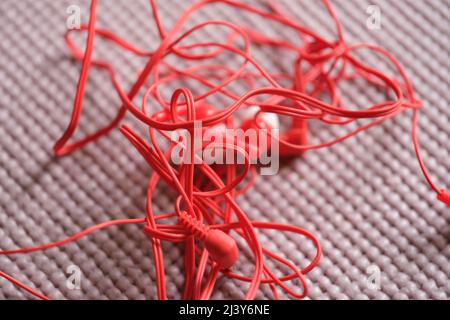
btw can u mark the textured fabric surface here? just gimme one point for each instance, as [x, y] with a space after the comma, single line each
[365, 199]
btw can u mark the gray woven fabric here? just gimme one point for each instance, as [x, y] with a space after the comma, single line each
[365, 199]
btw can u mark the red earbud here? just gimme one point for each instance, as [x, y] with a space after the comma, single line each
[296, 135]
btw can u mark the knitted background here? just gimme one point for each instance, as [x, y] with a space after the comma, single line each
[365, 198]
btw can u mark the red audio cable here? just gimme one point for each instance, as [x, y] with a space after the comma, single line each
[206, 217]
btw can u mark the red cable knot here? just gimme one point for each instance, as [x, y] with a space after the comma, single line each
[444, 196]
[221, 247]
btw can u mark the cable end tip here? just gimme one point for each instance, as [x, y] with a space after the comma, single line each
[444, 196]
[222, 248]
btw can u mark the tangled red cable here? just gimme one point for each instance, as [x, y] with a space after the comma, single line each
[206, 217]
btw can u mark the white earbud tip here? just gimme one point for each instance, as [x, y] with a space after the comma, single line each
[270, 118]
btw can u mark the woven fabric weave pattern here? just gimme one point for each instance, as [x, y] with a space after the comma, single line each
[365, 198]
